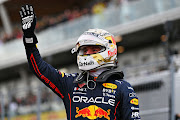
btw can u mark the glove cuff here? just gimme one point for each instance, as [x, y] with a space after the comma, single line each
[30, 41]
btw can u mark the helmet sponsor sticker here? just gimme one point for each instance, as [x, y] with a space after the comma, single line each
[111, 39]
[92, 112]
[134, 101]
[86, 63]
[100, 36]
[112, 53]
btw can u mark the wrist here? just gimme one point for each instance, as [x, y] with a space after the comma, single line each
[28, 34]
[30, 40]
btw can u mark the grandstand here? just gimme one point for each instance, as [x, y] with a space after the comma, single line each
[142, 56]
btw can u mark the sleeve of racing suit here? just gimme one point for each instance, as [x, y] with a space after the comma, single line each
[130, 104]
[50, 76]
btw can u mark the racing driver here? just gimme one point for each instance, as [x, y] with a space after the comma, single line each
[99, 91]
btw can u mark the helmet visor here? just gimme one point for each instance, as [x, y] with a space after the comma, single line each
[90, 49]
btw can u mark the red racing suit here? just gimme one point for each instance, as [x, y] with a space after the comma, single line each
[113, 99]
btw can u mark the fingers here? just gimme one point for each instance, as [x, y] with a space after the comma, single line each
[26, 10]
[31, 9]
[21, 14]
[23, 10]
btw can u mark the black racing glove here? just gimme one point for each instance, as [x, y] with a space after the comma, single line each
[28, 20]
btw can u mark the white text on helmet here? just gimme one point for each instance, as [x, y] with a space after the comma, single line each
[86, 63]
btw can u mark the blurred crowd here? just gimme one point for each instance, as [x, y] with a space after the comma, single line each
[17, 104]
[52, 20]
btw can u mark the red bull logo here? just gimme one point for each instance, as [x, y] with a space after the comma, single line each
[92, 112]
[112, 53]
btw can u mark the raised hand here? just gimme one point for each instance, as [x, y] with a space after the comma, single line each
[28, 20]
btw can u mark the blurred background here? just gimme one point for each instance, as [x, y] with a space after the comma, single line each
[147, 33]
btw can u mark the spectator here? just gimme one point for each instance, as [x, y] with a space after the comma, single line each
[13, 107]
[51, 20]
[98, 8]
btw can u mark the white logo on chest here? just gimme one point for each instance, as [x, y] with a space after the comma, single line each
[84, 99]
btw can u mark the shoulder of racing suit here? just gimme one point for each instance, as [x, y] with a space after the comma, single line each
[104, 76]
